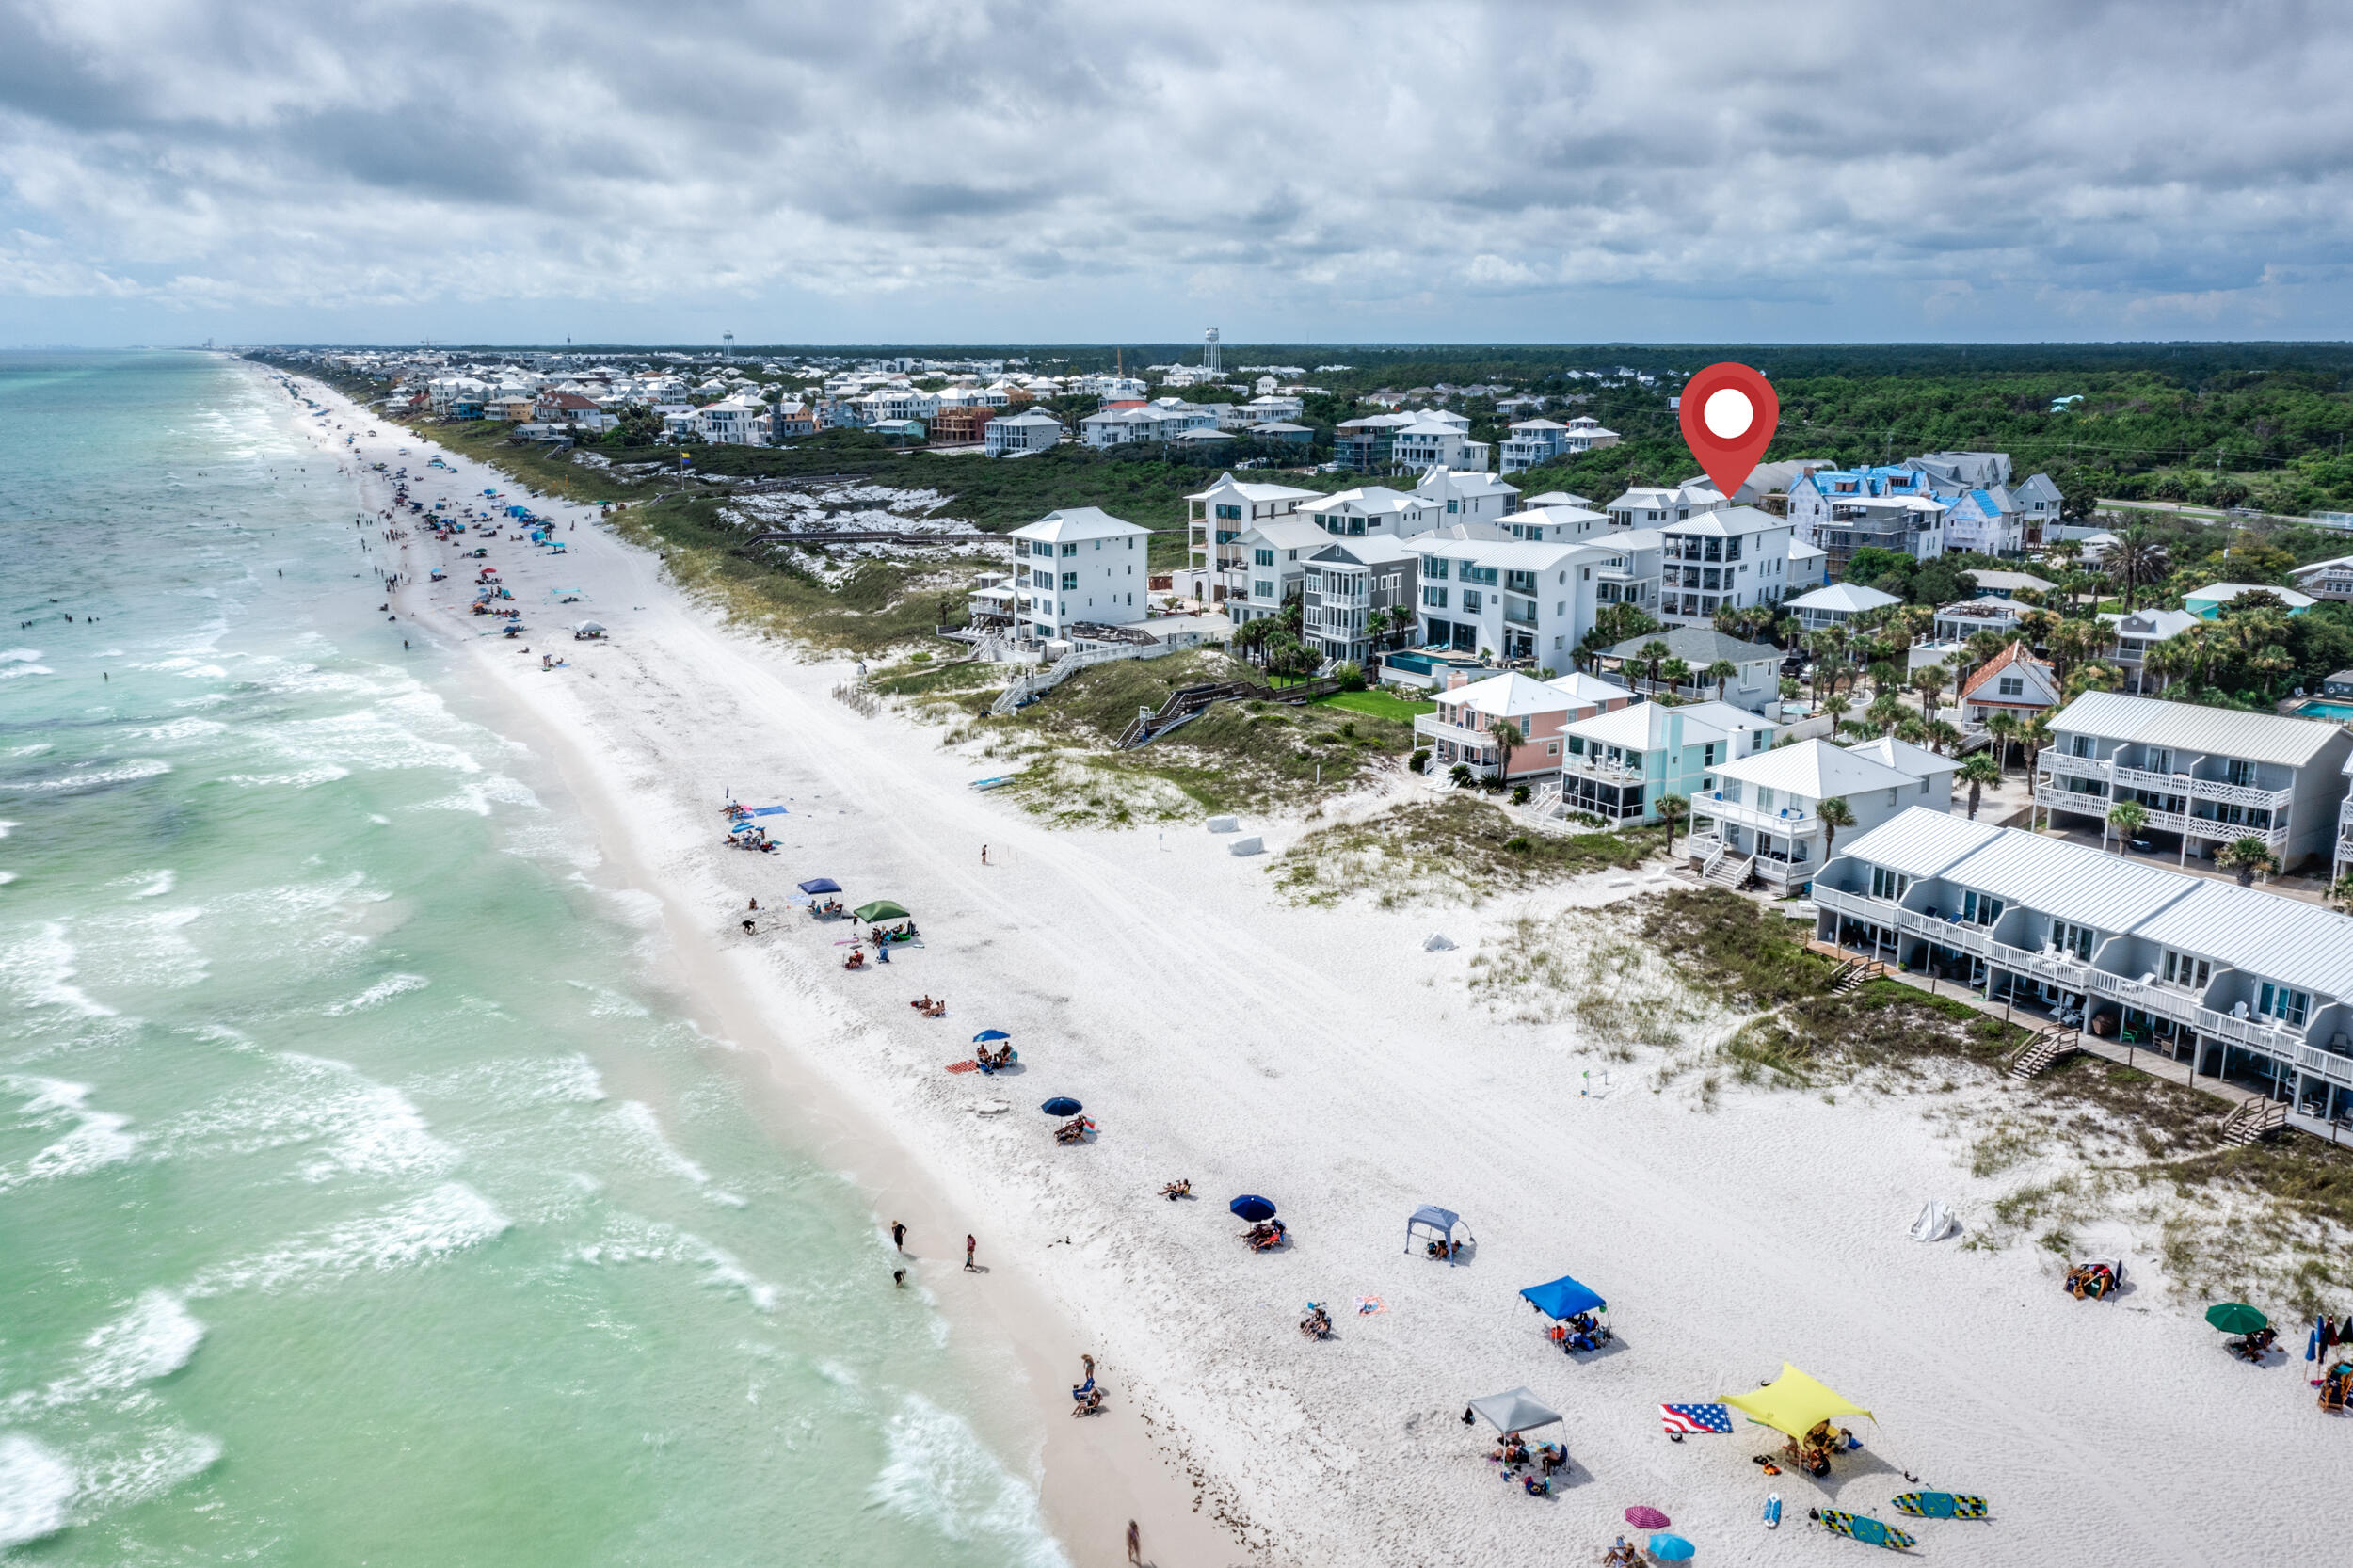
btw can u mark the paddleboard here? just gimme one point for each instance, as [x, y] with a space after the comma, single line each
[1860, 1527]
[1940, 1505]
[1772, 1512]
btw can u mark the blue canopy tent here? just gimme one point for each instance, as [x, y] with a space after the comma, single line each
[816, 884]
[1565, 1298]
[1439, 1222]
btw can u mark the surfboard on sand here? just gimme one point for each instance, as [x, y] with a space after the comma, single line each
[1772, 1512]
[1940, 1505]
[1860, 1527]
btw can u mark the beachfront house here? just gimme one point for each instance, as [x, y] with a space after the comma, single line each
[1762, 818]
[1754, 683]
[2207, 603]
[1658, 505]
[1839, 604]
[1021, 434]
[1082, 567]
[1275, 551]
[1619, 765]
[2235, 982]
[1344, 585]
[2013, 682]
[1468, 497]
[1433, 441]
[1215, 520]
[1509, 598]
[2203, 777]
[1564, 523]
[1632, 575]
[1462, 729]
[1368, 445]
[1723, 558]
[1162, 420]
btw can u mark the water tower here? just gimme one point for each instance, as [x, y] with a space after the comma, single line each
[1208, 352]
[729, 352]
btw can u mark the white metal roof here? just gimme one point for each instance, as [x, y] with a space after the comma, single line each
[1727, 521]
[2089, 886]
[1853, 598]
[1076, 523]
[1226, 484]
[1507, 695]
[2262, 933]
[1921, 843]
[1918, 761]
[2219, 731]
[1815, 770]
[1292, 533]
[1581, 688]
[2224, 593]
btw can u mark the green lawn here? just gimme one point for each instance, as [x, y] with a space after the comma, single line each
[1379, 705]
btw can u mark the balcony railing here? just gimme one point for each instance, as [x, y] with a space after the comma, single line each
[1782, 820]
[2167, 783]
[2189, 824]
[1594, 767]
[2274, 1035]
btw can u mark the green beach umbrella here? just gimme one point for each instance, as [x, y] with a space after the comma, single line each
[881, 909]
[2236, 1317]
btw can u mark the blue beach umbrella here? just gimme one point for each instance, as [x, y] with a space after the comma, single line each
[821, 884]
[1670, 1548]
[987, 1034]
[1062, 1105]
[1252, 1207]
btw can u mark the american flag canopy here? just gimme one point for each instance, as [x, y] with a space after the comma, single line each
[1696, 1418]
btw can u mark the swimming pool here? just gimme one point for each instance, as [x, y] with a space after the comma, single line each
[2341, 711]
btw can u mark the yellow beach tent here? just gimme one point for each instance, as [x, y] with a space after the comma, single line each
[1794, 1403]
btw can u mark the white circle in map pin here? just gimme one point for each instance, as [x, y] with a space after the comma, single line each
[1728, 413]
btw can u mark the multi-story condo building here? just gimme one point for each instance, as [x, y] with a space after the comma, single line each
[1632, 577]
[2206, 776]
[1275, 552]
[1374, 511]
[1540, 440]
[1215, 520]
[1468, 497]
[1018, 435]
[1433, 443]
[1162, 420]
[2137, 633]
[1541, 523]
[2237, 984]
[1727, 558]
[1507, 598]
[1368, 445]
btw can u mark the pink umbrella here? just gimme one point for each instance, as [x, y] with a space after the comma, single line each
[1646, 1518]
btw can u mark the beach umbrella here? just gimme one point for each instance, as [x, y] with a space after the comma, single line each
[881, 909]
[1646, 1518]
[2236, 1317]
[1670, 1548]
[821, 884]
[1252, 1207]
[989, 1034]
[1062, 1105]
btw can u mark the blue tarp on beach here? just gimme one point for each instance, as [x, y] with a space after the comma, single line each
[768, 811]
[1564, 1298]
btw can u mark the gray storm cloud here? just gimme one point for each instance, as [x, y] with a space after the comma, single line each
[1033, 169]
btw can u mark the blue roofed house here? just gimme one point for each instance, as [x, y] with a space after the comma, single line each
[1840, 511]
[1985, 521]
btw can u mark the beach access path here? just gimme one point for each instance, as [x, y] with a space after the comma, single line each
[1323, 1058]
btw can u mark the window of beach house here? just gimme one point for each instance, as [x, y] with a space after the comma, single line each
[2277, 1002]
[1888, 884]
[2189, 973]
[1979, 910]
[2070, 937]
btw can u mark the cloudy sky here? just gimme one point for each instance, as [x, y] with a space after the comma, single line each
[1012, 170]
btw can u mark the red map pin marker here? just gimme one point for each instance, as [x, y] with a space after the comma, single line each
[1729, 416]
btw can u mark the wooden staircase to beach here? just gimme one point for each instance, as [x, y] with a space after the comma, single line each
[2045, 1050]
[1851, 975]
[2256, 1117]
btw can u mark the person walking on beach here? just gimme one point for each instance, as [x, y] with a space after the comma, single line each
[983, 855]
[969, 1245]
[898, 1236]
[1135, 1543]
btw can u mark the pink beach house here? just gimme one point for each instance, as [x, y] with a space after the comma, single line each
[1462, 729]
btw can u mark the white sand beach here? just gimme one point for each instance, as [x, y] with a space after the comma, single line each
[1320, 1057]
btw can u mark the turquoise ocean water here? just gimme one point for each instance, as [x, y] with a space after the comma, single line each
[356, 1204]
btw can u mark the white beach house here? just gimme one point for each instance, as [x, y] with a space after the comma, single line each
[1724, 558]
[1216, 518]
[1507, 598]
[1018, 435]
[1082, 567]
[1762, 817]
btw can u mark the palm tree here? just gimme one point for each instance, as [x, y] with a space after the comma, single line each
[1721, 672]
[2247, 857]
[2340, 890]
[2135, 562]
[1885, 677]
[1836, 813]
[2005, 728]
[1655, 653]
[1929, 680]
[1506, 735]
[1887, 712]
[1674, 672]
[2127, 817]
[1977, 771]
[1943, 736]
[1671, 809]
[1836, 707]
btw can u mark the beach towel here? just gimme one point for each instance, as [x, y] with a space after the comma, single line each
[1367, 1306]
[964, 1066]
[1681, 1418]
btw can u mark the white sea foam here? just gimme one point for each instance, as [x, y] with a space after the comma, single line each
[519, 1081]
[19, 655]
[179, 729]
[5, 823]
[153, 1339]
[643, 1130]
[347, 1122]
[452, 1218]
[158, 883]
[632, 1240]
[7, 878]
[379, 994]
[478, 795]
[40, 970]
[11, 672]
[301, 779]
[37, 1490]
[129, 1467]
[85, 777]
[95, 1139]
[609, 1003]
[938, 1475]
